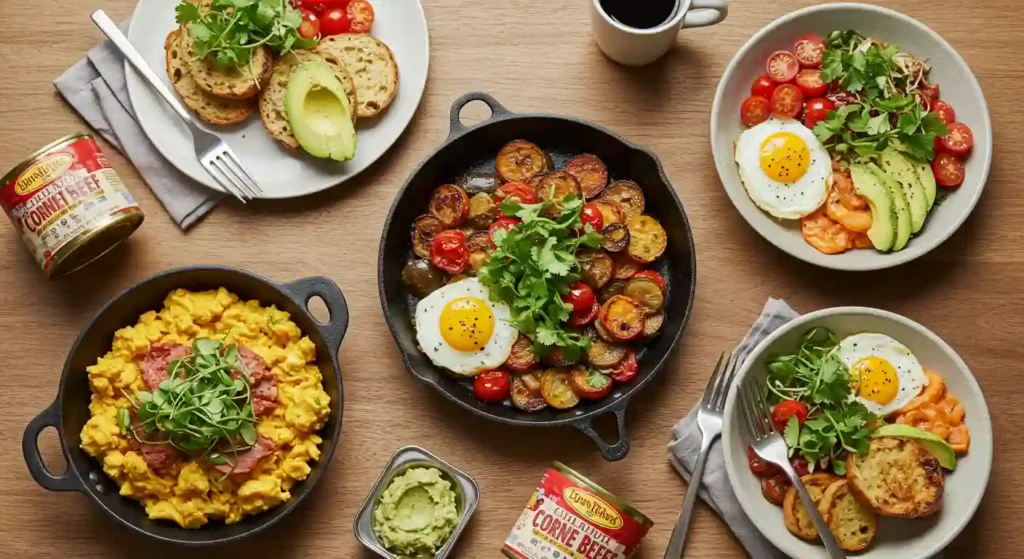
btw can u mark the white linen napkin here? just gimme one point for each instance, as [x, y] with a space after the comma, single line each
[95, 86]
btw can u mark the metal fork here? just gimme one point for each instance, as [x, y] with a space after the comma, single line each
[771, 447]
[213, 153]
[709, 420]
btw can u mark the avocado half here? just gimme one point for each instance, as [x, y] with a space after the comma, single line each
[319, 113]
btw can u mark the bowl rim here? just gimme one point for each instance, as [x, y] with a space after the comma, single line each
[836, 262]
[942, 540]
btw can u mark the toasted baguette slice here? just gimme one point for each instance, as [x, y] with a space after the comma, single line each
[243, 82]
[897, 477]
[793, 511]
[372, 66]
[853, 525]
[272, 109]
[210, 108]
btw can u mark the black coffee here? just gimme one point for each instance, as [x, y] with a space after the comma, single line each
[639, 14]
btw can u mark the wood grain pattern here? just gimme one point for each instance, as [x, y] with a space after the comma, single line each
[533, 55]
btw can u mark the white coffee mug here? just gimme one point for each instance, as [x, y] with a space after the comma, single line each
[636, 47]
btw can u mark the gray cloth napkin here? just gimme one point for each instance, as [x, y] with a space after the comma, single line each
[95, 86]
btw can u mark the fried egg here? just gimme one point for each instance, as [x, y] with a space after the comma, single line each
[784, 168]
[459, 328]
[886, 375]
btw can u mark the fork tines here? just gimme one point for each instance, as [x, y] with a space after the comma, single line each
[755, 408]
[226, 168]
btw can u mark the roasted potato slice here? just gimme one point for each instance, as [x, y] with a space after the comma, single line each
[519, 161]
[647, 239]
[602, 333]
[653, 324]
[522, 358]
[450, 204]
[625, 267]
[611, 211]
[615, 237]
[628, 195]
[424, 229]
[897, 477]
[556, 186]
[622, 318]
[604, 354]
[556, 388]
[557, 358]
[479, 241]
[853, 525]
[477, 259]
[534, 183]
[482, 211]
[475, 183]
[526, 393]
[596, 267]
[795, 515]
[611, 289]
[646, 292]
[421, 278]
[590, 172]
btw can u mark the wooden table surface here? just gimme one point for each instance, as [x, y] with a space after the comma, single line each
[533, 55]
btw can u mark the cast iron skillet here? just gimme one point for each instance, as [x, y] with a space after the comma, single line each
[474, 149]
[69, 412]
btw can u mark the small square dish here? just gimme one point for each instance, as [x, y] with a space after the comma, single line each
[466, 489]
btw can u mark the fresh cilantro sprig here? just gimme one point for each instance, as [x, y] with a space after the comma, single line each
[815, 376]
[532, 268]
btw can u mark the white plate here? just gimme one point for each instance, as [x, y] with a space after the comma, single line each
[896, 538]
[281, 173]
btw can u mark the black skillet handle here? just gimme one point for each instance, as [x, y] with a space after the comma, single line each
[305, 289]
[50, 417]
[457, 128]
[617, 451]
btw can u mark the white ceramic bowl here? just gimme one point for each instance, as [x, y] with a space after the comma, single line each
[958, 87]
[896, 539]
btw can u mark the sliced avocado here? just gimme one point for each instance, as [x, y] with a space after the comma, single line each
[319, 113]
[898, 167]
[904, 225]
[935, 444]
[927, 179]
[883, 216]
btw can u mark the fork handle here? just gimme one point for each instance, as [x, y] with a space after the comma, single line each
[109, 28]
[812, 509]
[677, 542]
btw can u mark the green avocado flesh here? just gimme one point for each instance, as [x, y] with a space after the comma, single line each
[933, 443]
[319, 113]
[883, 215]
[897, 166]
[904, 225]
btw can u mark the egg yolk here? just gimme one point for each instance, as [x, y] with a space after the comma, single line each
[785, 157]
[876, 379]
[467, 323]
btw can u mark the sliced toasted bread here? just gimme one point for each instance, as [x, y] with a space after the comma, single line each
[371, 64]
[272, 110]
[243, 82]
[210, 108]
[793, 511]
[853, 525]
[897, 477]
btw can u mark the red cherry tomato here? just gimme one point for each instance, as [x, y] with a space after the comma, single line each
[492, 386]
[959, 140]
[627, 368]
[809, 51]
[310, 26]
[782, 66]
[504, 224]
[754, 111]
[817, 109]
[655, 277]
[809, 82]
[787, 101]
[763, 87]
[448, 251]
[580, 296]
[759, 467]
[944, 111]
[334, 22]
[520, 190]
[360, 13]
[931, 91]
[800, 465]
[948, 170]
[591, 215]
[774, 489]
[321, 6]
[785, 410]
[581, 318]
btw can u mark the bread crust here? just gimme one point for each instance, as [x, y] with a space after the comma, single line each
[208, 108]
[897, 477]
[372, 66]
[794, 514]
[853, 525]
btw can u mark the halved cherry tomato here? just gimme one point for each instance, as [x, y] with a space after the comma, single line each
[590, 384]
[321, 6]
[581, 318]
[817, 110]
[931, 91]
[580, 296]
[334, 22]
[786, 409]
[519, 190]
[774, 489]
[949, 171]
[787, 101]
[809, 51]
[959, 140]
[754, 111]
[622, 318]
[492, 386]
[448, 251]
[800, 465]
[627, 368]
[310, 26]
[809, 82]
[944, 111]
[759, 466]
[655, 277]
[782, 66]
[763, 87]
[522, 358]
[504, 224]
[591, 215]
[360, 13]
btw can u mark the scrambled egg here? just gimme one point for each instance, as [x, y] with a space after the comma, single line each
[191, 494]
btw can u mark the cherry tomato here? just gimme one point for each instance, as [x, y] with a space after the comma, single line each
[627, 368]
[931, 91]
[492, 386]
[809, 51]
[782, 66]
[949, 171]
[809, 82]
[448, 251]
[817, 109]
[580, 296]
[591, 215]
[655, 277]
[758, 466]
[503, 223]
[321, 6]
[774, 489]
[334, 22]
[959, 140]
[787, 101]
[786, 409]
[360, 13]
[944, 111]
[310, 26]
[590, 384]
[754, 111]
[763, 87]
[800, 465]
[581, 318]
[519, 190]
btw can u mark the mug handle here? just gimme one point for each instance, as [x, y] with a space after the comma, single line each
[705, 12]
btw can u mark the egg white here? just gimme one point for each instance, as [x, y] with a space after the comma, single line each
[463, 363]
[784, 201]
[910, 374]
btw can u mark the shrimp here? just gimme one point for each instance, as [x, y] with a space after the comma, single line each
[846, 206]
[824, 234]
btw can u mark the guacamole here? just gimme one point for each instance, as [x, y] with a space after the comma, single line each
[416, 513]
